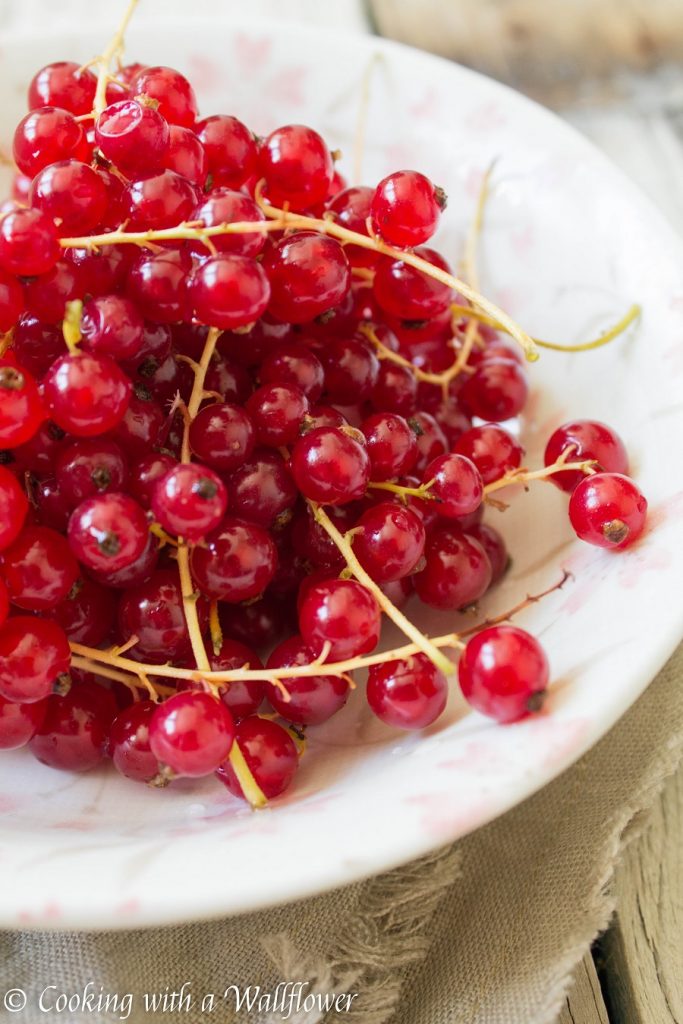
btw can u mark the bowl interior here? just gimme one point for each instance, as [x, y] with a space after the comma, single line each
[568, 245]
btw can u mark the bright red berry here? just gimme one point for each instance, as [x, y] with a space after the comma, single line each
[408, 694]
[503, 673]
[608, 510]
[191, 733]
[406, 208]
[587, 439]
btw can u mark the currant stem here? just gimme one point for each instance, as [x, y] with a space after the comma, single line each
[522, 476]
[342, 543]
[113, 50]
[423, 491]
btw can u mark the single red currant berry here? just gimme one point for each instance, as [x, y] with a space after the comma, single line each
[329, 466]
[503, 673]
[191, 733]
[391, 445]
[86, 394]
[407, 293]
[262, 489]
[44, 136]
[28, 243]
[174, 96]
[229, 291]
[351, 209]
[236, 562]
[457, 572]
[75, 730]
[129, 742]
[186, 156]
[135, 574]
[308, 273]
[112, 326]
[408, 694]
[494, 546]
[159, 201]
[608, 510]
[497, 390]
[88, 613]
[33, 654]
[493, 451]
[395, 389]
[343, 614]
[38, 569]
[406, 208]
[294, 364]
[230, 149]
[312, 699]
[390, 541]
[456, 485]
[108, 532]
[21, 408]
[224, 206]
[583, 440]
[277, 412]
[297, 166]
[351, 369]
[270, 753]
[242, 697]
[133, 136]
[153, 611]
[157, 284]
[222, 436]
[13, 508]
[46, 296]
[72, 194]
[429, 438]
[19, 722]
[86, 468]
[145, 473]
[63, 84]
[189, 501]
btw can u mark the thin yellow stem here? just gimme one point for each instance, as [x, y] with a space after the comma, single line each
[215, 628]
[423, 491]
[468, 267]
[71, 325]
[113, 50]
[523, 476]
[395, 614]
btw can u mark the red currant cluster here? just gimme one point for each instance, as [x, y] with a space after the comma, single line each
[256, 417]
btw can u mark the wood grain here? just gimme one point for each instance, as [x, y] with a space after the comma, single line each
[584, 1003]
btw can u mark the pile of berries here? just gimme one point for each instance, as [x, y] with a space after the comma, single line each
[189, 424]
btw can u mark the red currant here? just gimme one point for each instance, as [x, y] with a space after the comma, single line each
[236, 562]
[191, 733]
[408, 694]
[503, 673]
[608, 510]
[329, 466]
[343, 614]
[406, 208]
[108, 532]
[189, 501]
[270, 753]
[313, 699]
[588, 439]
[33, 654]
[297, 166]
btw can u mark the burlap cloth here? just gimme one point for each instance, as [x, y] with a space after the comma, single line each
[487, 931]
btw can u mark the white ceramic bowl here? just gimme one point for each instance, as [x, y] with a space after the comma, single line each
[569, 244]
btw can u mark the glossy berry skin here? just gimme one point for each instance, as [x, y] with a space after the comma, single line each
[129, 742]
[308, 273]
[297, 166]
[405, 208]
[140, 427]
[159, 201]
[408, 694]
[73, 735]
[391, 445]
[497, 390]
[430, 439]
[395, 389]
[153, 611]
[277, 412]
[63, 84]
[19, 722]
[297, 365]
[236, 562]
[4, 602]
[351, 209]
[37, 345]
[493, 450]
[135, 574]
[329, 466]
[230, 149]
[229, 291]
[589, 440]
[44, 136]
[173, 93]
[108, 532]
[133, 137]
[112, 326]
[407, 293]
[89, 467]
[11, 301]
[608, 510]
[351, 369]
[28, 243]
[86, 394]
[314, 699]
[33, 654]
[262, 489]
[88, 613]
[144, 474]
[189, 501]
[241, 697]
[390, 541]
[343, 613]
[186, 156]
[72, 193]
[457, 572]
[225, 206]
[503, 673]
[270, 753]
[457, 485]
[38, 569]
[222, 436]
[494, 546]
[157, 284]
[13, 508]
[46, 296]
[21, 408]
[191, 733]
